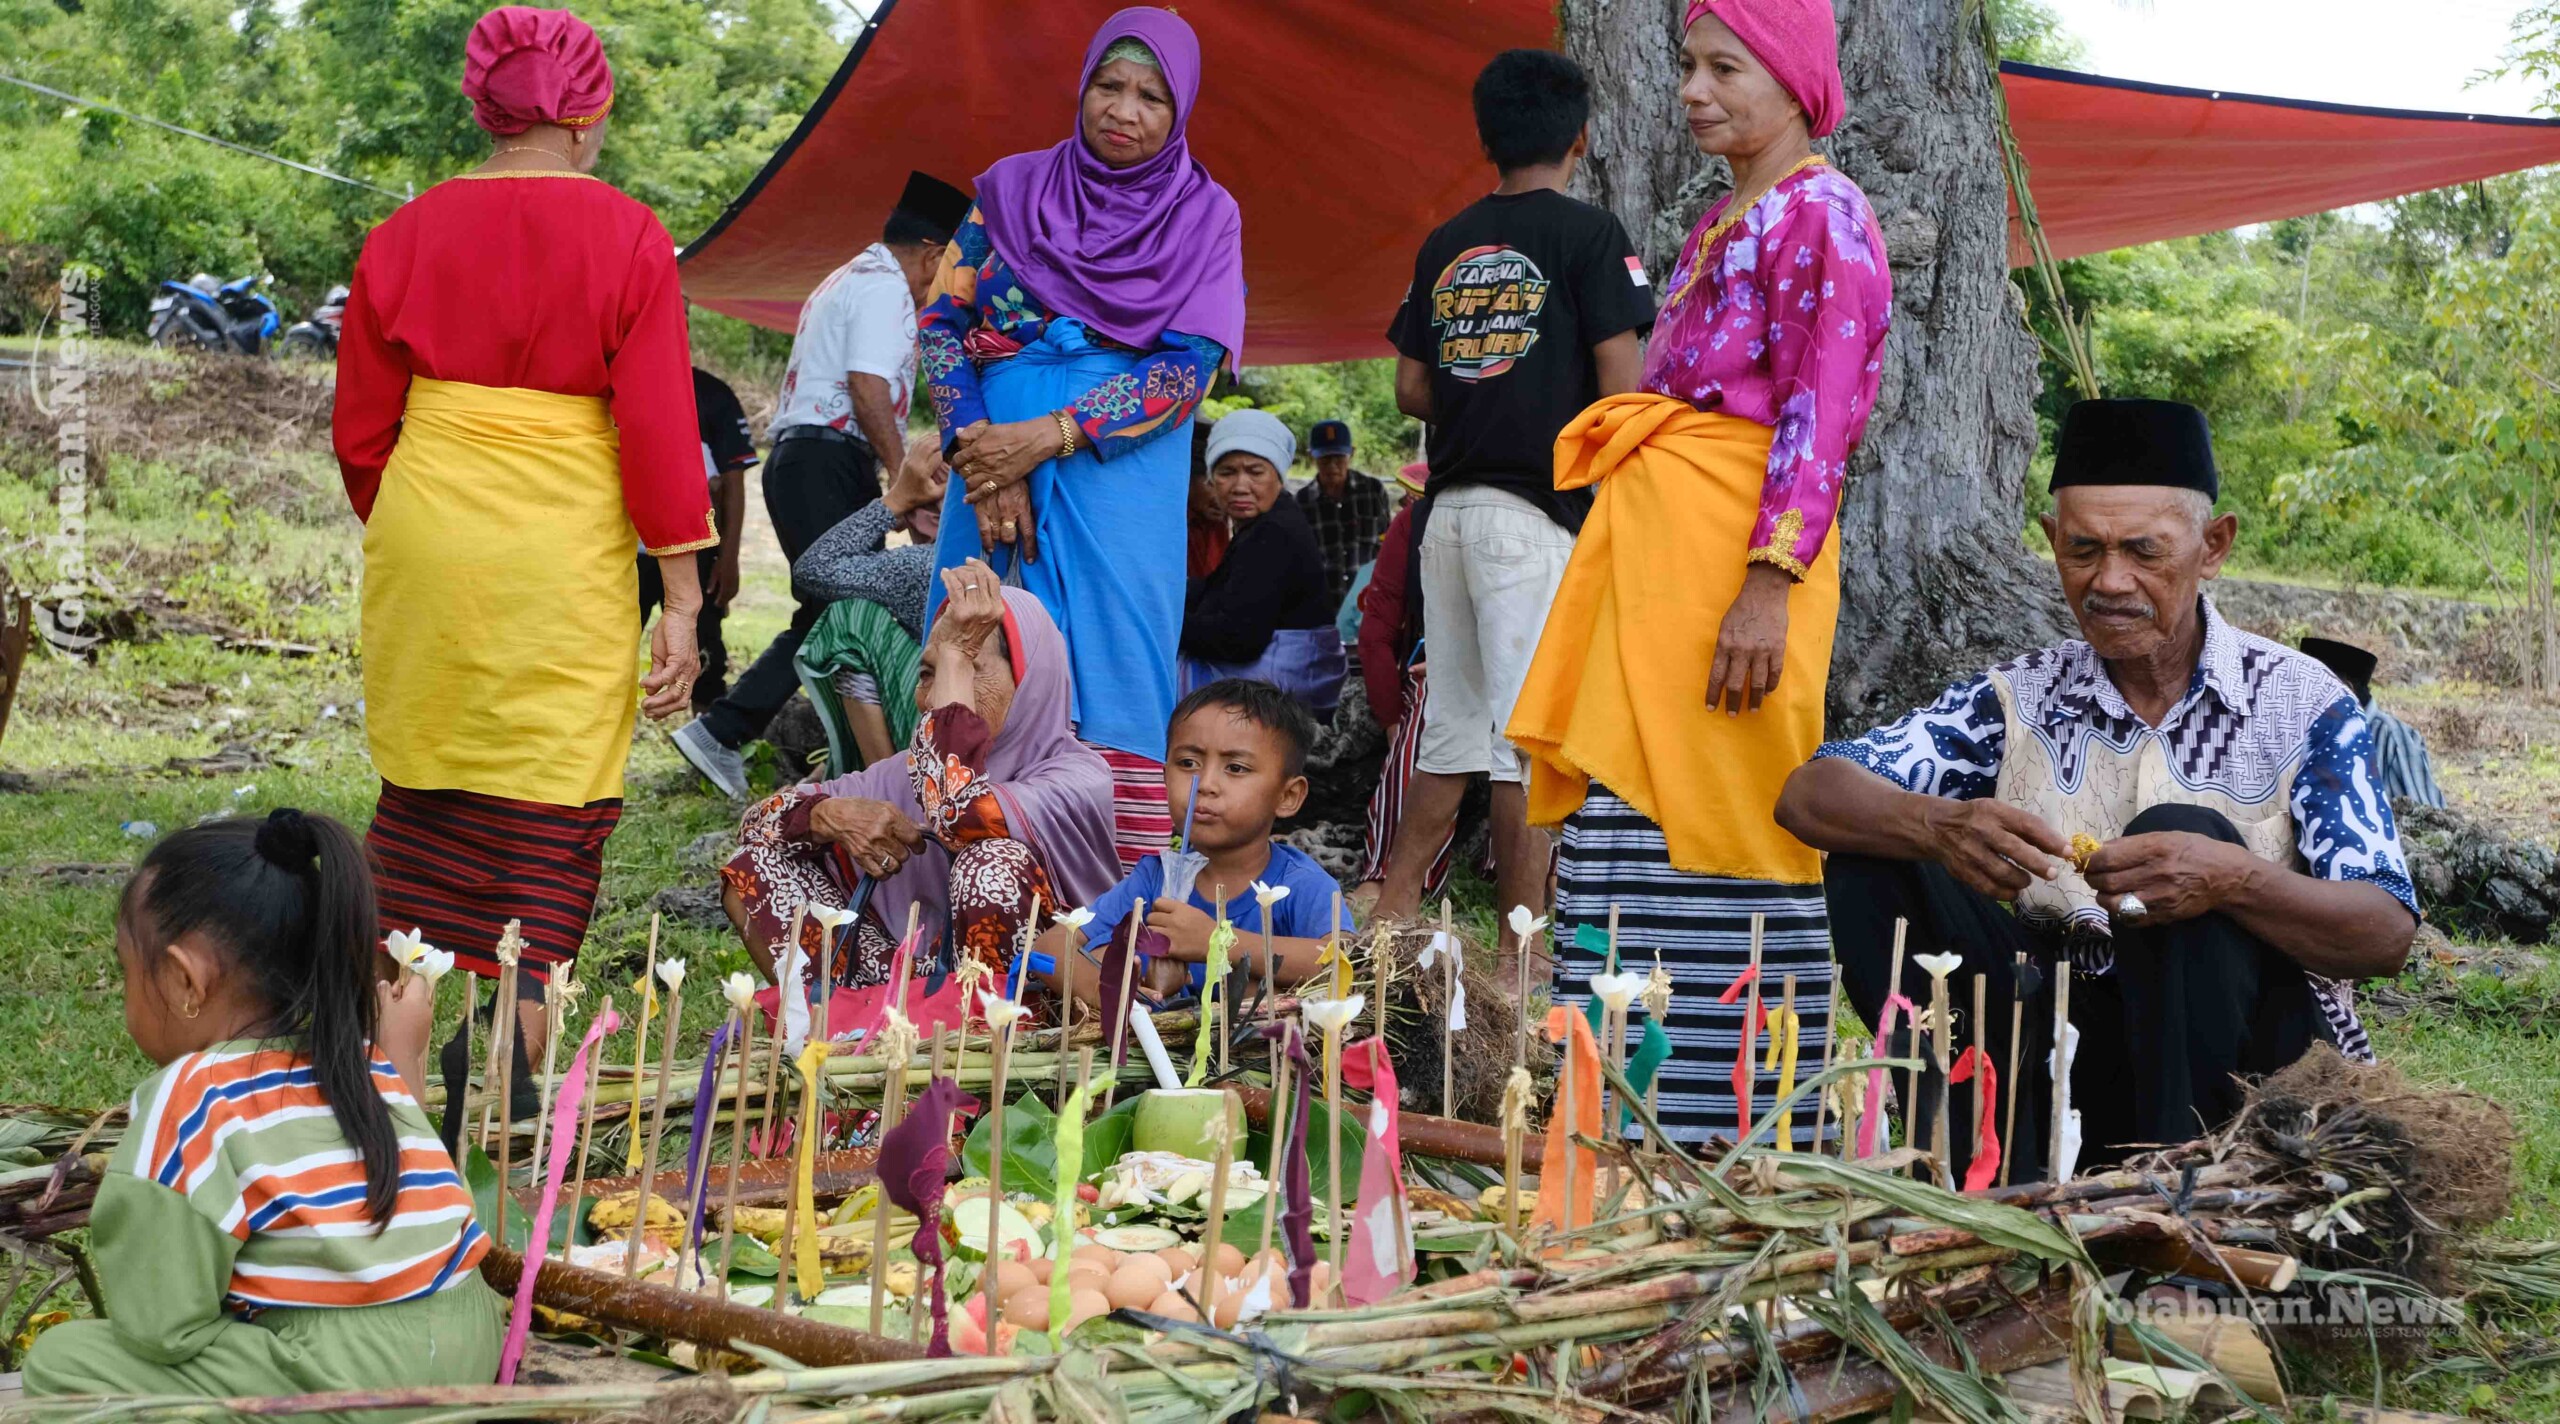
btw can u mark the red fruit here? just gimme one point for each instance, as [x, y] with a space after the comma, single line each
[1088, 1193]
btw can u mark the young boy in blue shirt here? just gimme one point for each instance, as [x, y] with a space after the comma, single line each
[1246, 742]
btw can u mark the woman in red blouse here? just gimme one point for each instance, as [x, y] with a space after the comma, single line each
[514, 414]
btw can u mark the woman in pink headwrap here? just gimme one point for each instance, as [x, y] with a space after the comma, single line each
[1661, 717]
[514, 417]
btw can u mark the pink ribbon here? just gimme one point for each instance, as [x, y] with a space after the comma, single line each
[564, 1141]
[1871, 1122]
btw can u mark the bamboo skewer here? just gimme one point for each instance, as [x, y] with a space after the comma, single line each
[1520, 1035]
[1983, 1106]
[1785, 1024]
[1333, 1161]
[1939, 1028]
[462, 1110]
[1128, 971]
[1750, 1016]
[552, 995]
[1911, 1022]
[1448, 1033]
[698, 1155]
[1225, 995]
[657, 1129]
[510, 946]
[640, 1042]
[773, 1067]
[2009, 1085]
[1219, 1171]
[1000, 1053]
[2062, 1080]
[893, 1107]
[737, 1146]
[1382, 963]
[586, 1133]
[1281, 1103]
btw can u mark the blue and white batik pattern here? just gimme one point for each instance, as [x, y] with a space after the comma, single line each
[2259, 720]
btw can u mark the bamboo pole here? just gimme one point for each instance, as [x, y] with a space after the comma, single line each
[1785, 1136]
[462, 1110]
[1128, 969]
[1520, 1035]
[1939, 1027]
[552, 995]
[640, 1041]
[1983, 1107]
[657, 1130]
[2009, 1085]
[503, 1038]
[1333, 1161]
[1911, 1075]
[1225, 992]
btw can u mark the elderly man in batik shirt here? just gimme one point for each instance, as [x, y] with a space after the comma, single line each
[2187, 812]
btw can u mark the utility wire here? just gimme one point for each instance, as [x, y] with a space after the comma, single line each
[206, 137]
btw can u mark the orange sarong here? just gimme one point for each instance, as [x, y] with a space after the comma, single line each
[1617, 692]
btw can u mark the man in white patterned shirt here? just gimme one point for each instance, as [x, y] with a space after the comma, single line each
[2188, 811]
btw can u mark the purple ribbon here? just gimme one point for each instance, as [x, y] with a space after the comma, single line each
[698, 1154]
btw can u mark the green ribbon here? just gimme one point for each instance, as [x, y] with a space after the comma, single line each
[1213, 988]
[1062, 1220]
[1652, 1051]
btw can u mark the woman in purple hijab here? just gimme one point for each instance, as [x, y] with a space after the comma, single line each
[994, 808]
[1087, 305]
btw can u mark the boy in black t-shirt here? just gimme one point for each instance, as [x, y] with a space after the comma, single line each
[1524, 309]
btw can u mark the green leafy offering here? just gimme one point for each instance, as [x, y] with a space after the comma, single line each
[1350, 1138]
[1030, 1136]
[481, 1175]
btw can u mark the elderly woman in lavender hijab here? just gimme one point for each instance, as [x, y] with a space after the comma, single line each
[995, 809]
[1087, 305]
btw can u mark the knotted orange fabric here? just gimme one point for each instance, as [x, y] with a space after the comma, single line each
[1568, 1175]
[1617, 692]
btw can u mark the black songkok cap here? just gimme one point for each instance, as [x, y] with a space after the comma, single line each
[2353, 665]
[930, 209]
[2136, 442]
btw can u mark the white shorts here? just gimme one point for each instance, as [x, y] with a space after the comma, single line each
[1491, 563]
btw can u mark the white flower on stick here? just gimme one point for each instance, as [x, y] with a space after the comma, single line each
[830, 916]
[1269, 895]
[739, 989]
[1076, 919]
[433, 963]
[671, 974]
[1333, 1015]
[1524, 924]
[1002, 1014]
[404, 946]
[1443, 944]
[1617, 990]
[1939, 965]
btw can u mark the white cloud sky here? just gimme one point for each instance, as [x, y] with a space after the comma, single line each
[2378, 52]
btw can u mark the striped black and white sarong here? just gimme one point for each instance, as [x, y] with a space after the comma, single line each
[1701, 924]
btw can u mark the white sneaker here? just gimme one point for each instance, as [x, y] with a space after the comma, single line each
[719, 765]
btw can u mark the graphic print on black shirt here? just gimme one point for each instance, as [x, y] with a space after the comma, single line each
[1508, 299]
[1485, 308]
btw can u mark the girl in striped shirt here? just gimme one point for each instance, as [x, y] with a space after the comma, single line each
[279, 1217]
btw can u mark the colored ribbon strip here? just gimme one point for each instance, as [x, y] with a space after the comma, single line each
[812, 1276]
[697, 1153]
[1985, 1166]
[1786, 1026]
[1213, 987]
[1871, 1121]
[564, 1142]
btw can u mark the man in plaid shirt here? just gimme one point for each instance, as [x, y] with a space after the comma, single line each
[1348, 509]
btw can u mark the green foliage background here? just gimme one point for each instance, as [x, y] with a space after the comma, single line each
[705, 91]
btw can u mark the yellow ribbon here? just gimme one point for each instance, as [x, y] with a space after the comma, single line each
[648, 992]
[1784, 1026]
[813, 1277]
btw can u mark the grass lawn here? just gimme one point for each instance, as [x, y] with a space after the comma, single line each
[247, 534]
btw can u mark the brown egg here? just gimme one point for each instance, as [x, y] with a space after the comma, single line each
[1012, 1276]
[1322, 1280]
[1083, 1276]
[1270, 1263]
[1028, 1309]
[1109, 1259]
[1041, 1268]
[1229, 1260]
[1172, 1306]
[1085, 1305]
[1134, 1285]
[1177, 1261]
[1230, 1302]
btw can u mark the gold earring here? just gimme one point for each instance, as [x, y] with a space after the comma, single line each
[189, 1009]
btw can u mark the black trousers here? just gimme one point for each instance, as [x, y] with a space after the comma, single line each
[706, 629]
[810, 485]
[2190, 1009]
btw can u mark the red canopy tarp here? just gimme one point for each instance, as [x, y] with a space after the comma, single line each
[1343, 128]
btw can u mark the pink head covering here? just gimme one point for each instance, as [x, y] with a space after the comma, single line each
[524, 66]
[1798, 41]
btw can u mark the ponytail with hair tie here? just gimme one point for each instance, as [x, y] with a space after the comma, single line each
[287, 841]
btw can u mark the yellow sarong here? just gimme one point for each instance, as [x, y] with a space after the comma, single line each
[1617, 692]
[501, 598]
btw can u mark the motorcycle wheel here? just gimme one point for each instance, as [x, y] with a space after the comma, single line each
[302, 344]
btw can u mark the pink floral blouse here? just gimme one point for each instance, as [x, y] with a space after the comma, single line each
[1785, 328]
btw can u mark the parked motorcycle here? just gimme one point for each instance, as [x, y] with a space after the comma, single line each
[316, 337]
[214, 316]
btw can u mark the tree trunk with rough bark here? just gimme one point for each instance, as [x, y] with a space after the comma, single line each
[1936, 581]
